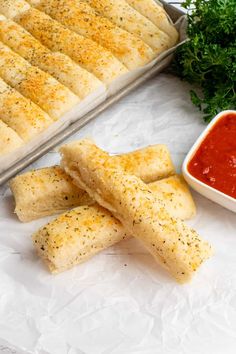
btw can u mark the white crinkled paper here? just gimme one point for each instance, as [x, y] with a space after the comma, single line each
[121, 302]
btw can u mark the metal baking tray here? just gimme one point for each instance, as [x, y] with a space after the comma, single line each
[59, 137]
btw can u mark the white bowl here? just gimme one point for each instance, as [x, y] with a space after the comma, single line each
[207, 191]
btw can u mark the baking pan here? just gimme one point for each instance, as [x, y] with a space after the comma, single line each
[163, 61]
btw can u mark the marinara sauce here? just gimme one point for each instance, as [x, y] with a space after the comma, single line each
[214, 163]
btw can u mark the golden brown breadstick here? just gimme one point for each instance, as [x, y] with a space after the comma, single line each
[155, 13]
[33, 83]
[172, 243]
[79, 234]
[87, 53]
[15, 109]
[81, 18]
[76, 236]
[12, 8]
[59, 65]
[176, 195]
[46, 191]
[50, 190]
[150, 163]
[126, 17]
[9, 140]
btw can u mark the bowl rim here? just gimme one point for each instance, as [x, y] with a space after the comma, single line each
[194, 148]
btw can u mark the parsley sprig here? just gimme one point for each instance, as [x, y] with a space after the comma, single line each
[208, 59]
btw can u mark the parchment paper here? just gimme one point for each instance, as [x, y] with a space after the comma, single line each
[121, 302]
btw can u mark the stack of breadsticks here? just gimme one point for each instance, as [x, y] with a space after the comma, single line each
[110, 199]
[55, 53]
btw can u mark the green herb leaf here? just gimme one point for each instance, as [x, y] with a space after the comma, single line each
[208, 59]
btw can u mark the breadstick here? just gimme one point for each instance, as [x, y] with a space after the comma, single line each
[83, 51]
[79, 234]
[155, 13]
[60, 66]
[9, 139]
[50, 190]
[21, 114]
[126, 17]
[176, 195]
[172, 243]
[46, 191]
[35, 84]
[12, 8]
[79, 17]
[150, 163]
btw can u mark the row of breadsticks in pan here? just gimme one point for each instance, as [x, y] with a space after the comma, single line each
[110, 199]
[54, 53]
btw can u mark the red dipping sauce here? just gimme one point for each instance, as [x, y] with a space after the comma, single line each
[214, 163]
